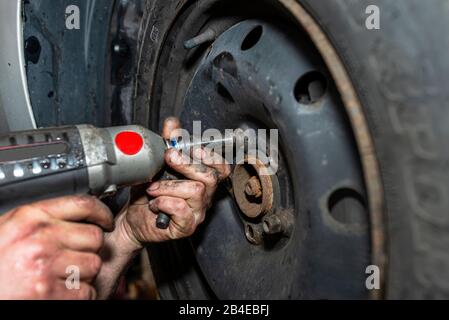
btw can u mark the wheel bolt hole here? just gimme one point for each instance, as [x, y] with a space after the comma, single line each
[252, 38]
[225, 63]
[310, 87]
[224, 93]
[348, 207]
[32, 49]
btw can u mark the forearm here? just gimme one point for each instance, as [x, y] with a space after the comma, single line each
[117, 253]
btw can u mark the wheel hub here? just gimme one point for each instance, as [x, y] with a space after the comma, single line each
[253, 191]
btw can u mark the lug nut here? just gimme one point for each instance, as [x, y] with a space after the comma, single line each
[280, 222]
[272, 224]
[253, 188]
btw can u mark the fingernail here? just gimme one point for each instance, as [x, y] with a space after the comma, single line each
[154, 186]
[172, 121]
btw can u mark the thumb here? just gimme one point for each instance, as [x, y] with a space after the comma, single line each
[170, 124]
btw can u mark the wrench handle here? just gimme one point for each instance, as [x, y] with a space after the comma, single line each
[162, 221]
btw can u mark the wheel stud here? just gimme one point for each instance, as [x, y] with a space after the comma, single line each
[206, 36]
[253, 188]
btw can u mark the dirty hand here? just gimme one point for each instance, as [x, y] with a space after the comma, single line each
[39, 241]
[185, 201]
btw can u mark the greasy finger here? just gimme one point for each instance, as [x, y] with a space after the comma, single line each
[69, 261]
[213, 160]
[78, 236]
[198, 172]
[192, 191]
[183, 221]
[79, 208]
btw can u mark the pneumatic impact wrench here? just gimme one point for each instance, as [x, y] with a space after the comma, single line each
[54, 162]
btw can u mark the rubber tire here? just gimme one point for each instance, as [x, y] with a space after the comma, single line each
[400, 73]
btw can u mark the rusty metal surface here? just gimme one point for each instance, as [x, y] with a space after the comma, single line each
[365, 143]
[254, 188]
[243, 179]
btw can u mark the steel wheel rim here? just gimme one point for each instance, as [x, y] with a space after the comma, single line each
[317, 37]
